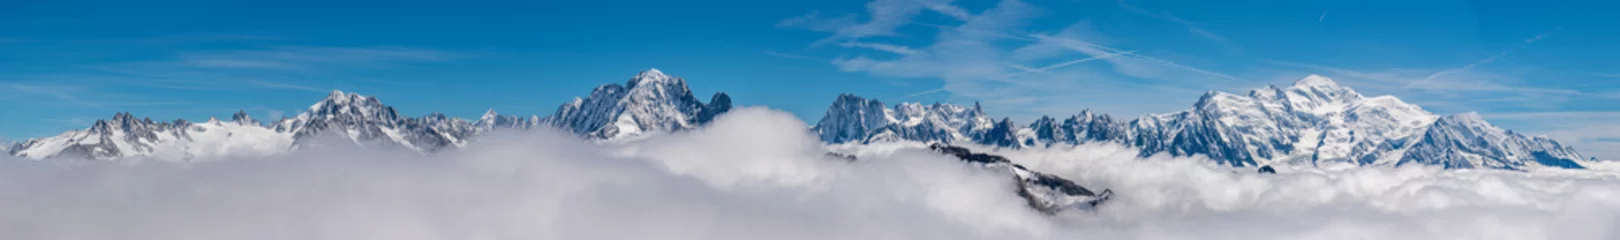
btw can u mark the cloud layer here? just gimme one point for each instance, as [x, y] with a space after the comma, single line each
[756, 174]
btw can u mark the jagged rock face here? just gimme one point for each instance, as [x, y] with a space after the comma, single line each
[365, 120]
[860, 120]
[1467, 141]
[649, 102]
[852, 118]
[1314, 121]
[1004, 133]
[1044, 192]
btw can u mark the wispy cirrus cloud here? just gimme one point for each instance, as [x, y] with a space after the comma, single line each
[68, 94]
[896, 49]
[884, 17]
[818, 21]
[1194, 28]
[201, 62]
[76, 95]
[304, 57]
[272, 68]
[1469, 86]
[987, 58]
[1487, 60]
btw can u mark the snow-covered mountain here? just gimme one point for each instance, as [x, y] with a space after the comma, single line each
[855, 119]
[493, 120]
[365, 120]
[126, 137]
[1314, 121]
[649, 102]
[1466, 141]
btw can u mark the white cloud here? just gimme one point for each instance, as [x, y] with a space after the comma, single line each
[305, 57]
[985, 58]
[884, 17]
[756, 174]
[944, 7]
[1194, 28]
[816, 21]
[1049, 68]
[930, 91]
[1470, 66]
[896, 49]
[63, 93]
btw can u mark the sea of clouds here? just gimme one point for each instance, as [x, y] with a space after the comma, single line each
[758, 174]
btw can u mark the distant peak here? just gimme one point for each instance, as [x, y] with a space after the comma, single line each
[340, 97]
[489, 116]
[850, 98]
[123, 116]
[650, 75]
[1315, 81]
[241, 116]
[652, 71]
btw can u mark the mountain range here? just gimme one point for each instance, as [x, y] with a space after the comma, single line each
[1314, 121]
[648, 102]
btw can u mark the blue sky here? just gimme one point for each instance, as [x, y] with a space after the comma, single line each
[1539, 67]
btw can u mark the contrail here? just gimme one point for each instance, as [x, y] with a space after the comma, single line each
[1065, 64]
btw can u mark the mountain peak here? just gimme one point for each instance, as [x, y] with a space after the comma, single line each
[650, 75]
[490, 114]
[242, 117]
[649, 102]
[850, 98]
[338, 97]
[1315, 81]
[652, 71]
